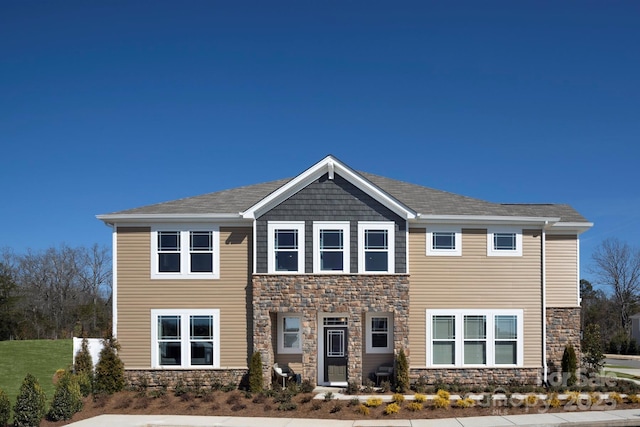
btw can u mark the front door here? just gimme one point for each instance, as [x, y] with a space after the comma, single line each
[335, 354]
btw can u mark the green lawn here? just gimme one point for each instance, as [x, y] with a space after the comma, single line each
[41, 358]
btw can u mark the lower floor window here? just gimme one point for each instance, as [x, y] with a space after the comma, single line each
[475, 337]
[185, 338]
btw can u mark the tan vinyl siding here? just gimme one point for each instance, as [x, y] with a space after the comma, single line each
[476, 281]
[138, 295]
[562, 271]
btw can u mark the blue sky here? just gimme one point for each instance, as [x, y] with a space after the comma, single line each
[106, 106]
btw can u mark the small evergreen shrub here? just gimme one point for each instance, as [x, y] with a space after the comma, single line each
[352, 388]
[83, 368]
[337, 407]
[306, 386]
[420, 398]
[392, 408]
[373, 402]
[256, 379]
[613, 396]
[553, 400]
[109, 374]
[5, 408]
[328, 396]
[354, 402]
[531, 399]
[570, 364]
[414, 406]
[385, 387]
[364, 409]
[467, 402]
[67, 399]
[442, 399]
[316, 405]
[633, 398]
[287, 406]
[397, 398]
[402, 373]
[592, 354]
[30, 405]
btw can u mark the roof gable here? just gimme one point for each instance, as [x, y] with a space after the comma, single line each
[329, 165]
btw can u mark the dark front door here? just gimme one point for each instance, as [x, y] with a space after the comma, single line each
[335, 354]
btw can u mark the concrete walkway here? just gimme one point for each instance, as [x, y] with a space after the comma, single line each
[623, 417]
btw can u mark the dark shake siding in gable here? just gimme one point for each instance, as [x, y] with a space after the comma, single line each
[331, 200]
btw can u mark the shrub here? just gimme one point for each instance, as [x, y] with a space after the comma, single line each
[385, 387]
[363, 409]
[256, 379]
[531, 399]
[337, 407]
[420, 398]
[392, 408]
[30, 408]
[373, 402]
[442, 399]
[354, 402]
[402, 373]
[109, 375]
[467, 402]
[316, 405]
[633, 398]
[553, 401]
[397, 398]
[5, 408]
[306, 386]
[180, 388]
[414, 406]
[592, 356]
[352, 388]
[328, 396]
[83, 363]
[570, 364]
[615, 397]
[287, 406]
[67, 399]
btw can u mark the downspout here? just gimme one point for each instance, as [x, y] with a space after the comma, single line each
[544, 303]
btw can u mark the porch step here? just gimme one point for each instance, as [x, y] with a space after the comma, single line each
[325, 389]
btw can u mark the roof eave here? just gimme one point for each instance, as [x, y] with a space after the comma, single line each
[147, 218]
[485, 219]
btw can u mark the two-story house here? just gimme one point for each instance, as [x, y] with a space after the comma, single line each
[334, 271]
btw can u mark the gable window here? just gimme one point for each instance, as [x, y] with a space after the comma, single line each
[286, 247]
[185, 338]
[475, 337]
[331, 247]
[444, 241]
[289, 333]
[379, 330]
[504, 242]
[185, 252]
[376, 247]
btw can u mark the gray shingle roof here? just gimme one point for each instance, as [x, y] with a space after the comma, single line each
[423, 200]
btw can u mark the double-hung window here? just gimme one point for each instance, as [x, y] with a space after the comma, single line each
[475, 337]
[185, 338]
[185, 252]
[504, 242]
[286, 247]
[444, 241]
[376, 247]
[331, 247]
[289, 333]
[379, 330]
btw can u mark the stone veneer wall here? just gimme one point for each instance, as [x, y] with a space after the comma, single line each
[478, 376]
[349, 295]
[563, 327]
[168, 377]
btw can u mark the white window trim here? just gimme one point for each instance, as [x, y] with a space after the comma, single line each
[272, 226]
[280, 331]
[377, 225]
[491, 251]
[331, 225]
[490, 339]
[369, 338]
[185, 336]
[185, 259]
[457, 251]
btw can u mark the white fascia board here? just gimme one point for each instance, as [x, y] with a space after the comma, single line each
[327, 165]
[485, 220]
[570, 227]
[149, 218]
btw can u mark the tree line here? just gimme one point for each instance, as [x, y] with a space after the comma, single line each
[614, 296]
[55, 293]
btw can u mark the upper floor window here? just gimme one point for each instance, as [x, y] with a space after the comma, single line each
[286, 247]
[178, 252]
[444, 240]
[185, 338]
[504, 242]
[331, 247]
[376, 247]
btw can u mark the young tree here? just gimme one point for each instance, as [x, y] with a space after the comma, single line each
[592, 356]
[109, 373]
[30, 406]
[256, 379]
[570, 364]
[617, 266]
[402, 372]
[83, 368]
